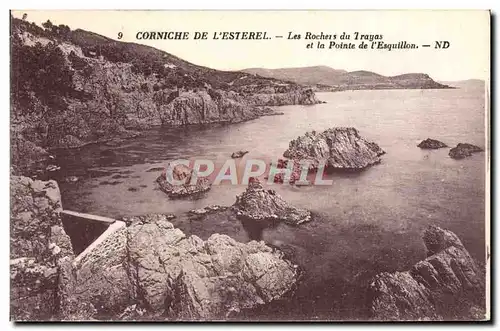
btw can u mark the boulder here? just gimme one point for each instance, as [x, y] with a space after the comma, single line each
[339, 148]
[183, 173]
[258, 204]
[431, 144]
[463, 150]
[238, 154]
[447, 285]
[158, 272]
[71, 179]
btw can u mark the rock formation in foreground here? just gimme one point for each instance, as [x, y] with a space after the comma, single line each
[294, 175]
[447, 285]
[463, 150]
[38, 246]
[340, 148]
[259, 205]
[183, 173]
[156, 269]
[328, 79]
[431, 144]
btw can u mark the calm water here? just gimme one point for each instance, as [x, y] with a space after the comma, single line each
[367, 222]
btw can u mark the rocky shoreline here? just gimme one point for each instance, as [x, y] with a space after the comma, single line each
[98, 98]
[337, 148]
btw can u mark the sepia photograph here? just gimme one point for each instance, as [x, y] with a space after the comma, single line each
[250, 166]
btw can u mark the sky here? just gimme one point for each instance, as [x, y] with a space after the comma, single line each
[467, 31]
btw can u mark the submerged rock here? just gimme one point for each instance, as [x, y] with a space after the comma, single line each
[183, 173]
[340, 148]
[446, 285]
[431, 144]
[463, 150]
[52, 168]
[168, 275]
[258, 204]
[238, 154]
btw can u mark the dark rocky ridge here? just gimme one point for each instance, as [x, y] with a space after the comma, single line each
[148, 270]
[340, 148]
[70, 88]
[447, 285]
[328, 79]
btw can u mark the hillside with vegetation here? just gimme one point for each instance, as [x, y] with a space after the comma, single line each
[73, 87]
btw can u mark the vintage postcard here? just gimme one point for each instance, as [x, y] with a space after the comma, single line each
[250, 165]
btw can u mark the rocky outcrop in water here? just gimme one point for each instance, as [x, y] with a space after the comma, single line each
[446, 285]
[183, 173]
[463, 150]
[212, 106]
[38, 246]
[431, 144]
[340, 148]
[259, 205]
[279, 178]
[165, 274]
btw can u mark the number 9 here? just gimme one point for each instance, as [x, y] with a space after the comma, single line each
[120, 35]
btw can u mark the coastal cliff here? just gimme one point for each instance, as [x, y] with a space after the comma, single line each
[70, 88]
[324, 78]
[447, 285]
